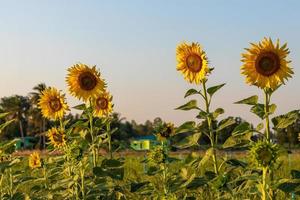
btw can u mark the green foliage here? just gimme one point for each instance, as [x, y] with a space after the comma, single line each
[214, 89]
[191, 92]
[186, 127]
[225, 123]
[5, 124]
[264, 154]
[249, 101]
[218, 112]
[241, 136]
[188, 141]
[192, 104]
[283, 121]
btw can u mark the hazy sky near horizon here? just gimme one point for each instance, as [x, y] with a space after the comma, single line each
[133, 44]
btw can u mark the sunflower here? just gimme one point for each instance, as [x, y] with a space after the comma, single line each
[264, 153]
[103, 104]
[35, 160]
[52, 104]
[265, 64]
[192, 62]
[157, 155]
[84, 82]
[167, 130]
[57, 137]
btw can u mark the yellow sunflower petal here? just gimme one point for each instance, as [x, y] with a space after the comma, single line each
[192, 62]
[57, 137]
[265, 64]
[103, 104]
[35, 160]
[84, 82]
[52, 104]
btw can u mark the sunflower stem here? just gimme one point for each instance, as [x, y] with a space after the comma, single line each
[109, 140]
[268, 132]
[165, 169]
[45, 177]
[82, 182]
[1, 181]
[11, 183]
[61, 124]
[94, 149]
[267, 108]
[264, 184]
[209, 122]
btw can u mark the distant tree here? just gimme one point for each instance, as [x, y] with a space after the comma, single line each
[18, 107]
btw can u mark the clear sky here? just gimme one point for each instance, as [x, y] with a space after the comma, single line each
[133, 43]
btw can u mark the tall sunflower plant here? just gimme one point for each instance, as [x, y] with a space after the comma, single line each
[80, 142]
[166, 178]
[265, 65]
[53, 106]
[159, 161]
[193, 63]
[94, 126]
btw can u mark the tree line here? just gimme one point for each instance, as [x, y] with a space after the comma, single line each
[28, 121]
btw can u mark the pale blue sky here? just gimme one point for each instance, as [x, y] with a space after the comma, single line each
[133, 43]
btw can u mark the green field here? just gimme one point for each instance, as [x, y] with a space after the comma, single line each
[56, 184]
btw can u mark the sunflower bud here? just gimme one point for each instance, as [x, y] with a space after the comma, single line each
[264, 153]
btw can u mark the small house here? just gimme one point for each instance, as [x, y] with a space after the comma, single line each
[143, 143]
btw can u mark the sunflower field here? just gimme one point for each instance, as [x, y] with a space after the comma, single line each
[75, 167]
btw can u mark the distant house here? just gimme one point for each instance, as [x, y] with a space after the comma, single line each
[29, 143]
[143, 143]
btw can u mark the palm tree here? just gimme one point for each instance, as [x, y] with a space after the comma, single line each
[37, 91]
[4, 123]
[35, 112]
[17, 106]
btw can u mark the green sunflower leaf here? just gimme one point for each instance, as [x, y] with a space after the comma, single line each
[5, 124]
[191, 92]
[188, 141]
[283, 121]
[189, 106]
[249, 101]
[214, 89]
[225, 123]
[202, 115]
[4, 114]
[80, 107]
[218, 112]
[186, 127]
[259, 110]
[288, 185]
[259, 127]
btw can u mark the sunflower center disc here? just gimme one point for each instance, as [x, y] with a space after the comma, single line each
[58, 138]
[194, 63]
[265, 156]
[87, 81]
[102, 103]
[165, 134]
[267, 63]
[55, 105]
